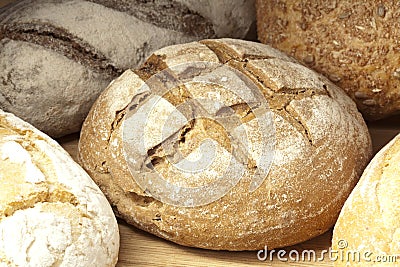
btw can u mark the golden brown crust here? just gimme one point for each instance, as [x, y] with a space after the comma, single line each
[313, 172]
[370, 219]
[354, 43]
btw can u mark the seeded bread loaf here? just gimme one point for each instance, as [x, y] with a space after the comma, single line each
[354, 43]
[225, 144]
[57, 56]
[51, 212]
[369, 223]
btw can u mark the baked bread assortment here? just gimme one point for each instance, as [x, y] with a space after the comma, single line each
[354, 43]
[221, 144]
[57, 56]
[151, 120]
[369, 223]
[51, 212]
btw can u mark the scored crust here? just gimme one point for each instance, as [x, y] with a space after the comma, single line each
[370, 219]
[322, 146]
[51, 212]
[354, 43]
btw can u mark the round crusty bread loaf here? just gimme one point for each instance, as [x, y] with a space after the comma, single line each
[354, 43]
[51, 212]
[369, 223]
[57, 56]
[315, 140]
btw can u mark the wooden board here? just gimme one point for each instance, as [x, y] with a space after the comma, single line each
[139, 248]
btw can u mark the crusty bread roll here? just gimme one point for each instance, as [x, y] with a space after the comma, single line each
[354, 43]
[51, 212]
[369, 223]
[309, 146]
[57, 56]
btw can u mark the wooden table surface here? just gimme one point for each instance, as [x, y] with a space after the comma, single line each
[139, 248]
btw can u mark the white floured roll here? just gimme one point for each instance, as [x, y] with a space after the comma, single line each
[51, 212]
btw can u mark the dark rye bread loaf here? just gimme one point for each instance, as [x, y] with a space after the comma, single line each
[57, 56]
[354, 43]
